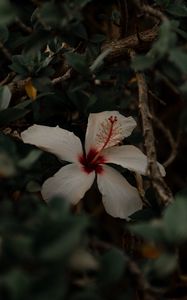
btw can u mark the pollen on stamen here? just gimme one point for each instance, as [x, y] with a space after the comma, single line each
[113, 119]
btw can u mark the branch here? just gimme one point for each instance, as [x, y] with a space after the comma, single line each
[124, 17]
[5, 51]
[18, 86]
[143, 286]
[154, 96]
[7, 79]
[120, 48]
[162, 190]
[149, 10]
[67, 75]
[172, 142]
[140, 282]
[154, 12]
[24, 27]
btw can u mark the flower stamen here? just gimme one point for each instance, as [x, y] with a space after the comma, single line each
[106, 133]
[112, 120]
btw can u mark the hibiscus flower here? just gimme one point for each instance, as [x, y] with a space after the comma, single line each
[105, 131]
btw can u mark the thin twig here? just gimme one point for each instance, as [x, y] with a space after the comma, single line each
[172, 142]
[139, 280]
[119, 49]
[18, 86]
[7, 79]
[154, 96]
[153, 12]
[140, 188]
[62, 78]
[162, 190]
[145, 290]
[124, 17]
[156, 13]
[24, 27]
[167, 82]
[5, 51]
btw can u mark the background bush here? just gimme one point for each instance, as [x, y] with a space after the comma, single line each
[61, 60]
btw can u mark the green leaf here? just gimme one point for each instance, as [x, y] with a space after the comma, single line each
[87, 293]
[17, 283]
[82, 3]
[164, 265]
[5, 96]
[77, 62]
[182, 193]
[83, 260]
[177, 10]
[164, 3]
[12, 114]
[142, 62]
[30, 159]
[61, 208]
[18, 65]
[4, 34]
[166, 40]
[175, 221]
[151, 231]
[98, 38]
[6, 12]
[80, 31]
[7, 167]
[112, 266]
[183, 119]
[182, 33]
[23, 104]
[64, 245]
[179, 58]
[33, 187]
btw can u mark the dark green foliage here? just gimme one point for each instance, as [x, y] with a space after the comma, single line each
[73, 55]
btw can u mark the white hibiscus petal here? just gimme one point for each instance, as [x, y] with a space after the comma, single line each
[120, 199]
[70, 182]
[106, 129]
[63, 143]
[129, 157]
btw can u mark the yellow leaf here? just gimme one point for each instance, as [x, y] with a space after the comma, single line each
[30, 90]
[183, 277]
[150, 251]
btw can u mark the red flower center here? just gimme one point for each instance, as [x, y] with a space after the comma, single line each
[92, 162]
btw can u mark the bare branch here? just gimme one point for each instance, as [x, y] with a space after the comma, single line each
[162, 190]
[154, 96]
[24, 27]
[153, 12]
[172, 142]
[124, 17]
[5, 51]
[120, 48]
[149, 10]
[7, 79]
[143, 287]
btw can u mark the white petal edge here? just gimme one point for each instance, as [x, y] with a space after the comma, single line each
[129, 157]
[63, 143]
[120, 199]
[96, 121]
[70, 183]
